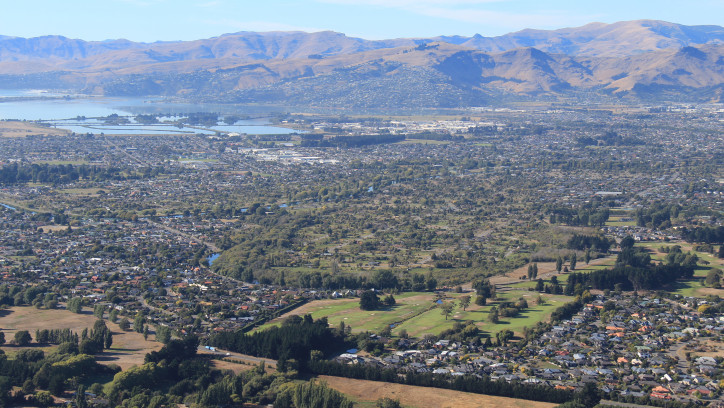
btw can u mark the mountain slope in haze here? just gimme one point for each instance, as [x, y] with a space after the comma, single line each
[60, 53]
[604, 40]
[438, 74]
[594, 40]
[645, 59]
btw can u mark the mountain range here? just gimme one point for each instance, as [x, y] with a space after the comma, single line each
[642, 59]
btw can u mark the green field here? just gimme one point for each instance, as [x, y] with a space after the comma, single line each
[433, 322]
[615, 221]
[348, 311]
[418, 314]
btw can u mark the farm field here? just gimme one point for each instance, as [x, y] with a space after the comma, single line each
[128, 349]
[413, 396]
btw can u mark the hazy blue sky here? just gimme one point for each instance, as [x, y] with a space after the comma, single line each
[152, 20]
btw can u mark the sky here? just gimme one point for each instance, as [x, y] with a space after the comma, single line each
[172, 20]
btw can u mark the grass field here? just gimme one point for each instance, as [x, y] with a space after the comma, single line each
[434, 322]
[413, 396]
[22, 129]
[348, 311]
[418, 315]
[129, 348]
[615, 221]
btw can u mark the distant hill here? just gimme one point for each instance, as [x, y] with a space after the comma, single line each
[636, 59]
[604, 40]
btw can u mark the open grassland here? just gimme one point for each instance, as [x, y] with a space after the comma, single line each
[413, 396]
[13, 128]
[129, 348]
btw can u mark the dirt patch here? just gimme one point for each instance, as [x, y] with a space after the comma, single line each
[128, 348]
[22, 129]
[709, 291]
[53, 228]
[414, 396]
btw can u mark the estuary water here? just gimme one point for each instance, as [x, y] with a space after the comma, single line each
[79, 113]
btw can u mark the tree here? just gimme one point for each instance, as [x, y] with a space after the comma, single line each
[98, 311]
[113, 315]
[2, 338]
[22, 338]
[75, 305]
[627, 242]
[493, 316]
[124, 324]
[369, 300]
[388, 403]
[503, 336]
[559, 264]
[56, 386]
[574, 260]
[138, 323]
[481, 300]
[446, 309]
[163, 334]
[431, 283]
[108, 340]
[44, 399]
[80, 401]
[465, 301]
[713, 278]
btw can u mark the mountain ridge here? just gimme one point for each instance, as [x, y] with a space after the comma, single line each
[642, 58]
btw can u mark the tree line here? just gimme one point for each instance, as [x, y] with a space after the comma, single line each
[293, 340]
